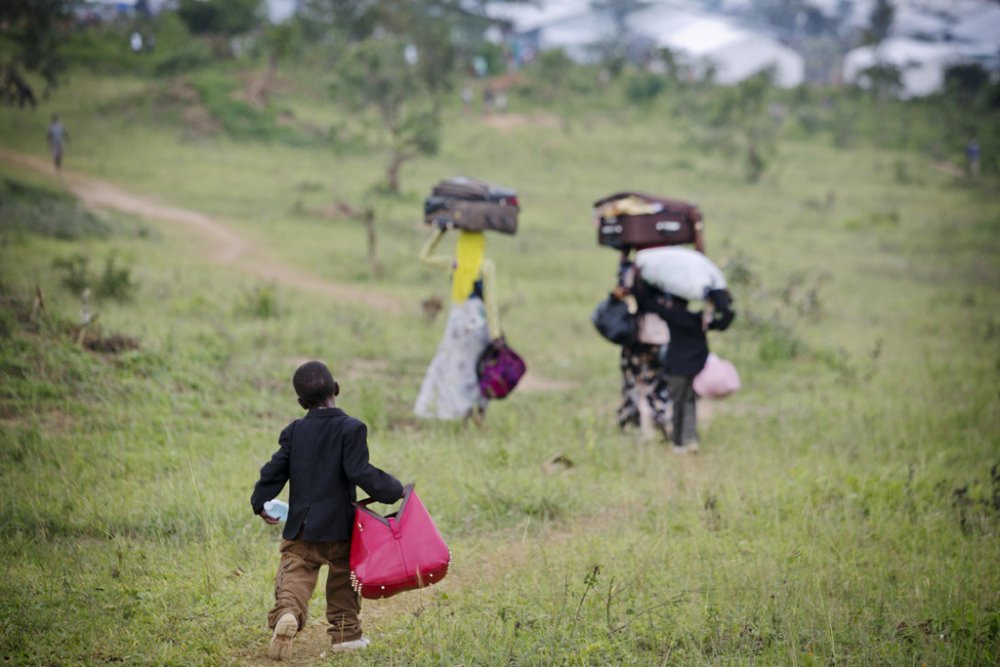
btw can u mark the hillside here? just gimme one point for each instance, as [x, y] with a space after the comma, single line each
[842, 510]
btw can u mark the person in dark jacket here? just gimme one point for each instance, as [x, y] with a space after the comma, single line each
[686, 356]
[323, 457]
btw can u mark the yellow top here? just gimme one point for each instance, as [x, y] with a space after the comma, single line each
[468, 266]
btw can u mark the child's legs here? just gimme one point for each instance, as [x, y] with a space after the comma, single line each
[294, 582]
[689, 424]
[343, 604]
[682, 395]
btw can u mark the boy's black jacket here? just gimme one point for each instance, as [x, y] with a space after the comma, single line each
[323, 456]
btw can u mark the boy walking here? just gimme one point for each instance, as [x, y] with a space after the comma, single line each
[686, 356]
[323, 457]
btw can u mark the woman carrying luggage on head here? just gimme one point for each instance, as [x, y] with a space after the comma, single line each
[450, 389]
[646, 400]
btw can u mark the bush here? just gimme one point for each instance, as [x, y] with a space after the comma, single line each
[33, 209]
[644, 87]
[260, 303]
[240, 119]
[115, 282]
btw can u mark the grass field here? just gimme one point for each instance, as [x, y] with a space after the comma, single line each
[844, 509]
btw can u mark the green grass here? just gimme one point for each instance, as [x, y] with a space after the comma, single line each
[842, 510]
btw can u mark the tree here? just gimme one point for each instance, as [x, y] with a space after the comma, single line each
[278, 40]
[221, 19]
[37, 27]
[884, 79]
[879, 23]
[376, 77]
[742, 116]
[613, 52]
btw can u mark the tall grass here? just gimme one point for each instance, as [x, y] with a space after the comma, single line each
[842, 511]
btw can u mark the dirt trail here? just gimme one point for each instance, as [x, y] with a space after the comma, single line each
[224, 244]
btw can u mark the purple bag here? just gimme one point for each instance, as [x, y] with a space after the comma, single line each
[500, 369]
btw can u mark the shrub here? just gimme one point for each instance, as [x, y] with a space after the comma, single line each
[260, 303]
[115, 282]
[33, 209]
[644, 87]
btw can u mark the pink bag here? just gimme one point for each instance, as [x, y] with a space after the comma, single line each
[397, 552]
[717, 379]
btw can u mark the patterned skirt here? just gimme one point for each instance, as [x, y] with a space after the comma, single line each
[450, 389]
[645, 395]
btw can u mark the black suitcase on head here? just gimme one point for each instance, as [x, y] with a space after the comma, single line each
[473, 205]
[667, 222]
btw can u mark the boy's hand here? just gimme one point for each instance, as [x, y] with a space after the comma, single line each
[268, 518]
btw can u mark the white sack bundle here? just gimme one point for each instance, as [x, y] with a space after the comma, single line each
[680, 271]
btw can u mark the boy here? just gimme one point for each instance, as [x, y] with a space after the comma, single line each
[322, 456]
[686, 356]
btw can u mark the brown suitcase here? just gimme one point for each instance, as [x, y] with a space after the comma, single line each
[473, 205]
[675, 223]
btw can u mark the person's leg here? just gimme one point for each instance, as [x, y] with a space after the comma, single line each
[678, 393]
[628, 411]
[689, 427]
[293, 586]
[294, 582]
[343, 604]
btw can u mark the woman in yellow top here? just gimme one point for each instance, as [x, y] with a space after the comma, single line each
[450, 389]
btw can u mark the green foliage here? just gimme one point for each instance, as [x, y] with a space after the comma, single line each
[220, 17]
[376, 76]
[554, 68]
[36, 27]
[260, 302]
[743, 124]
[168, 48]
[241, 119]
[114, 282]
[643, 87]
[884, 80]
[29, 208]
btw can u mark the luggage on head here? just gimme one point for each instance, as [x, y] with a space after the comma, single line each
[636, 220]
[473, 205]
[682, 272]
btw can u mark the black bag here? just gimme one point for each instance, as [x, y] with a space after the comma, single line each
[615, 322]
[473, 205]
[675, 223]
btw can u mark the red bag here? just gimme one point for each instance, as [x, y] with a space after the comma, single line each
[397, 552]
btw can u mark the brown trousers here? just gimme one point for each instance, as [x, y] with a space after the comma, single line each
[296, 580]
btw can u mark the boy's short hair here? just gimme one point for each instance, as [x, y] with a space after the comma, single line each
[314, 382]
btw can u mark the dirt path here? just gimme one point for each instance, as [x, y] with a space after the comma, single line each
[223, 242]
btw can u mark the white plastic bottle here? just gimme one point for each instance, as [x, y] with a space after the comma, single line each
[277, 509]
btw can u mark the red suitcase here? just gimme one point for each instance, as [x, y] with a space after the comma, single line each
[674, 222]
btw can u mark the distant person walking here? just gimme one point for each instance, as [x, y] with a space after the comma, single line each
[57, 140]
[16, 88]
[686, 356]
[450, 389]
[467, 97]
[972, 153]
[646, 402]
